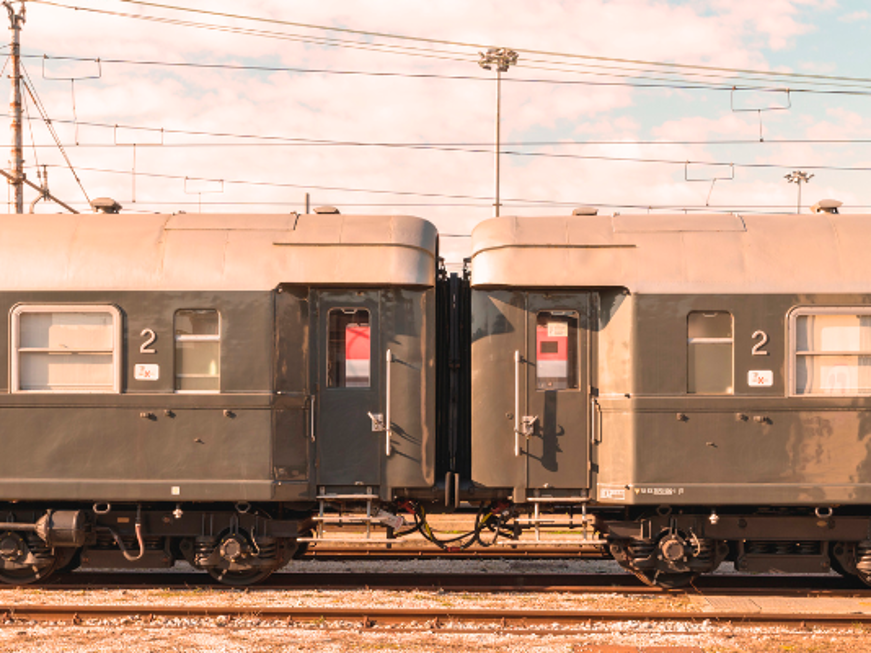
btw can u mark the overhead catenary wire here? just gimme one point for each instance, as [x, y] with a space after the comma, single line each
[31, 91]
[476, 46]
[729, 86]
[474, 148]
[258, 140]
[373, 191]
[728, 76]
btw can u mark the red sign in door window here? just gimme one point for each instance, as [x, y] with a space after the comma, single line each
[357, 355]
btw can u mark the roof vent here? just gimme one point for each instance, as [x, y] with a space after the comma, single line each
[105, 205]
[826, 206]
[586, 210]
[326, 210]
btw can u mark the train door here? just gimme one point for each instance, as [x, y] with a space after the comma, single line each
[530, 390]
[556, 414]
[348, 449]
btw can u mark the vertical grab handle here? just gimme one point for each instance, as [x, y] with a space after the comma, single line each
[517, 403]
[312, 416]
[595, 430]
[388, 426]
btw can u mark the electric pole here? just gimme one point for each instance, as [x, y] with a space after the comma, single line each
[502, 59]
[16, 20]
[798, 177]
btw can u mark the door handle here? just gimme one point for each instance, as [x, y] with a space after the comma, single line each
[523, 424]
[595, 430]
[517, 403]
[311, 408]
[388, 426]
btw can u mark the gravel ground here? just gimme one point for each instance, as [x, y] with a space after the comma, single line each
[217, 635]
[171, 635]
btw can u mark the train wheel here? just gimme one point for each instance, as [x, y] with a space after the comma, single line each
[238, 560]
[672, 559]
[25, 576]
[23, 562]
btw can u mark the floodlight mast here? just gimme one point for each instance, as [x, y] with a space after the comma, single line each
[798, 177]
[501, 59]
[16, 20]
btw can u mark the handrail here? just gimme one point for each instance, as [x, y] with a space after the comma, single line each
[595, 435]
[388, 427]
[517, 360]
[312, 416]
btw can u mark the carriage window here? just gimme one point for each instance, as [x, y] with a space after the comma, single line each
[832, 352]
[348, 355]
[709, 353]
[66, 349]
[197, 351]
[556, 346]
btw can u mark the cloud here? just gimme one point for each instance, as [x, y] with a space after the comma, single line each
[448, 177]
[855, 16]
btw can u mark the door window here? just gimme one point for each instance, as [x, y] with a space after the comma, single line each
[349, 350]
[556, 350]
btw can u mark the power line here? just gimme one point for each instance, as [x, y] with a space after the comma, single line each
[517, 153]
[476, 46]
[324, 41]
[658, 67]
[28, 85]
[419, 193]
[472, 45]
[271, 139]
[666, 83]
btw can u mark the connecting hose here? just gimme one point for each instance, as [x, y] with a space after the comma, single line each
[491, 518]
[139, 539]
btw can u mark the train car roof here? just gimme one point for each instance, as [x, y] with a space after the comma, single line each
[679, 253]
[212, 252]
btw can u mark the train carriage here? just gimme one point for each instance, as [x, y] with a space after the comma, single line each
[717, 386]
[190, 386]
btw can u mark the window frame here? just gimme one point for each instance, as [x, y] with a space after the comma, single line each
[15, 349]
[714, 340]
[802, 311]
[176, 338]
[326, 360]
[573, 349]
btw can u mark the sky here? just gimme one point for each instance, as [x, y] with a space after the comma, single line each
[381, 106]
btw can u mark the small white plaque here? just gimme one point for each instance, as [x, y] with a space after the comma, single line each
[176, 490]
[614, 494]
[557, 329]
[146, 372]
[760, 378]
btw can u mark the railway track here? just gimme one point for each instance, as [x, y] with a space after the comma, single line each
[432, 553]
[422, 619]
[472, 583]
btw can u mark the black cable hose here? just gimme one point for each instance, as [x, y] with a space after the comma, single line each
[466, 540]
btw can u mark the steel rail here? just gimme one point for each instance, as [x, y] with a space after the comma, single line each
[426, 618]
[363, 552]
[829, 586]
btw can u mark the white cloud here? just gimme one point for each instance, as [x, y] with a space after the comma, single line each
[855, 16]
[400, 109]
